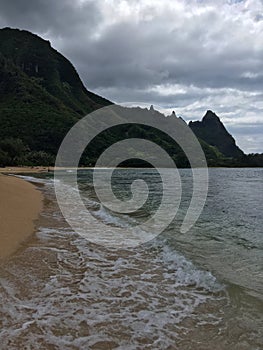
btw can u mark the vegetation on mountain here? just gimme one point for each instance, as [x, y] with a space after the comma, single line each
[41, 94]
[42, 97]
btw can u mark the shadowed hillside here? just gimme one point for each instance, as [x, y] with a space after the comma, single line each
[41, 94]
[212, 131]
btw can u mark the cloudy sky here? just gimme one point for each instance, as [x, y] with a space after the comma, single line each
[182, 55]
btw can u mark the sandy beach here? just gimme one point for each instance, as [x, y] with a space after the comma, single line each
[20, 170]
[20, 204]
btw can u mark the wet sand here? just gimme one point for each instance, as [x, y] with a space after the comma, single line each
[20, 204]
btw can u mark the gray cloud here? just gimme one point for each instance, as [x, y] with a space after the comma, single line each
[184, 55]
[59, 18]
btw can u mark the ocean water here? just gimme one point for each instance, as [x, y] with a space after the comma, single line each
[199, 290]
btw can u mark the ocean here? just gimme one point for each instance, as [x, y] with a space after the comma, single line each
[198, 290]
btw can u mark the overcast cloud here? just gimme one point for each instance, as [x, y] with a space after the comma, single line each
[182, 55]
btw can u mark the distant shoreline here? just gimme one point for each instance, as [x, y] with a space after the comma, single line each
[42, 169]
[17, 170]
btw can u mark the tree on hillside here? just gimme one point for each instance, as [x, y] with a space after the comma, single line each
[12, 150]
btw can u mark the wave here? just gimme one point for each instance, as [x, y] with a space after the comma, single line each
[65, 292]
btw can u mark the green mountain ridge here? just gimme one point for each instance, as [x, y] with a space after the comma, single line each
[41, 94]
[42, 97]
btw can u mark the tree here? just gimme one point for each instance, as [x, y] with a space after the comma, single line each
[4, 158]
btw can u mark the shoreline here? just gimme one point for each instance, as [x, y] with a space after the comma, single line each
[20, 205]
[51, 169]
[16, 170]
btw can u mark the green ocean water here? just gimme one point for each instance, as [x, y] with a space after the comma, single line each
[198, 290]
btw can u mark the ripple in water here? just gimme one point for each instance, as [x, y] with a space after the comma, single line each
[62, 292]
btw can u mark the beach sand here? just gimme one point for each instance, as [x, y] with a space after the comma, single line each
[17, 170]
[20, 204]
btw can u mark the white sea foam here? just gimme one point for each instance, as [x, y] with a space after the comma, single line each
[66, 293]
[34, 179]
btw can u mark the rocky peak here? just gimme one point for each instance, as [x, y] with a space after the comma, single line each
[213, 131]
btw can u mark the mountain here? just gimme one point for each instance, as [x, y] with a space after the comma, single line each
[212, 131]
[42, 97]
[41, 94]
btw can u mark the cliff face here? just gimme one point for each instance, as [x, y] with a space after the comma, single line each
[213, 132]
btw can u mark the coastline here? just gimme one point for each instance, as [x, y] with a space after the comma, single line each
[24, 169]
[66, 264]
[20, 205]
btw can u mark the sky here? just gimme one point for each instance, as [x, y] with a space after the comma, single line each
[183, 55]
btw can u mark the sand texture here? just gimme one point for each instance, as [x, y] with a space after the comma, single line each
[20, 205]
